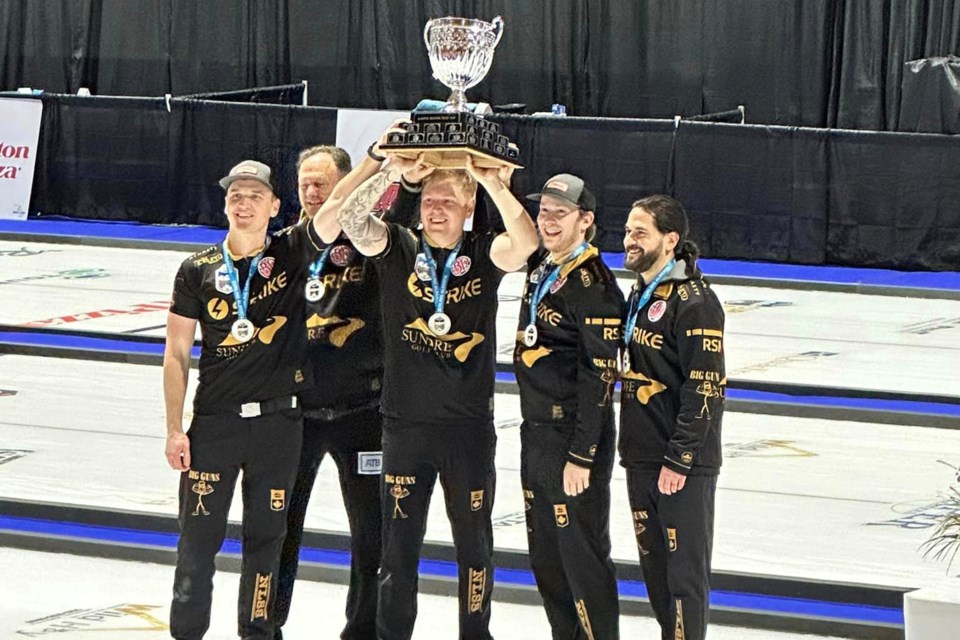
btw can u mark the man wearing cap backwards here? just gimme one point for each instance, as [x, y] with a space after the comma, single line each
[566, 364]
[247, 295]
[341, 412]
[671, 406]
[439, 290]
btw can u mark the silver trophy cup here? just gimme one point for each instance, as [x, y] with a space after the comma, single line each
[461, 51]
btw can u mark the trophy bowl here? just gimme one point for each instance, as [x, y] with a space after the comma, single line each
[460, 51]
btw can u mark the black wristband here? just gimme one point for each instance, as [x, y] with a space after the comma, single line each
[373, 155]
[410, 187]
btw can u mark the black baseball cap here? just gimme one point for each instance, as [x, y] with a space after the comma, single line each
[568, 188]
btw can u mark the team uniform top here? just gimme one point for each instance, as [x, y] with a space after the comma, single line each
[438, 378]
[568, 375]
[672, 397]
[343, 328]
[271, 363]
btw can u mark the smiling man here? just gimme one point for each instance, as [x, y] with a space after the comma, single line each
[671, 408]
[319, 169]
[341, 416]
[439, 300]
[565, 359]
[246, 293]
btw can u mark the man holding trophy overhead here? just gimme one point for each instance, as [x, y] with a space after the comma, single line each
[439, 288]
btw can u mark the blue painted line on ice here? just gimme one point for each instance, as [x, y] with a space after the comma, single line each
[444, 569]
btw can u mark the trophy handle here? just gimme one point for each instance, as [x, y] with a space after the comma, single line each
[426, 32]
[498, 25]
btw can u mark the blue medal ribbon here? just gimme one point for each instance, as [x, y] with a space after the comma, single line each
[440, 287]
[242, 300]
[541, 291]
[637, 302]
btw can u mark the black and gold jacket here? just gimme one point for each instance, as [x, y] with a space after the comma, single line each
[269, 365]
[343, 328]
[672, 394]
[430, 378]
[568, 376]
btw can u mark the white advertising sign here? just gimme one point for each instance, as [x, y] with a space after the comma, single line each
[357, 128]
[19, 133]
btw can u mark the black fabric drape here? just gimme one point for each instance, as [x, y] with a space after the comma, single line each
[134, 54]
[49, 44]
[221, 45]
[131, 159]
[758, 193]
[103, 158]
[834, 63]
[784, 194]
[930, 100]
[893, 201]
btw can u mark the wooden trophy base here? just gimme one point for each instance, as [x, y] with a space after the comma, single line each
[447, 139]
[454, 157]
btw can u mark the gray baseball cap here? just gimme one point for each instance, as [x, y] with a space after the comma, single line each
[249, 170]
[568, 188]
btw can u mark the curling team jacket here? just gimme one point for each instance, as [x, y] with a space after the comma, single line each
[567, 376]
[343, 327]
[673, 388]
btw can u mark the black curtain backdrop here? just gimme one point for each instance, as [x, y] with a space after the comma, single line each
[132, 159]
[815, 63]
[757, 192]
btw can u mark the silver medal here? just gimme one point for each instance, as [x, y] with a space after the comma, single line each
[439, 323]
[314, 290]
[530, 335]
[242, 330]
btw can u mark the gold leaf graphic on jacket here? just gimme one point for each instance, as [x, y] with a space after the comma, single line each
[341, 333]
[462, 351]
[530, 356]
[646, 391]
[263, 334]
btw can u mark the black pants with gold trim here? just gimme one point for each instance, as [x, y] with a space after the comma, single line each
[266, 449]
[346, 439]
[569, 537]
[414, 454]
[675, 539]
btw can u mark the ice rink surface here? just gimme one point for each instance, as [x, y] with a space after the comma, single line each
[803, 498]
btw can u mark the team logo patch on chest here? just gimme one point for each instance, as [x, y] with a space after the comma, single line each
[556, 285]
[536, 274]
[221, 280]
[460, 266]
[422, 268]
[265, 267]
[340, 255]
[656, 310]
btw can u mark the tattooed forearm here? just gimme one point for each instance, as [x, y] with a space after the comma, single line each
[363, 229]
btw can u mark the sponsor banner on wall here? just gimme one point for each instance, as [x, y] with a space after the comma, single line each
[357, 128]
[19, 132]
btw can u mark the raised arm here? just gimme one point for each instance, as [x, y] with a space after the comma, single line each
[367, 232]
[509, 250]
[325, 222]
[176, 364]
